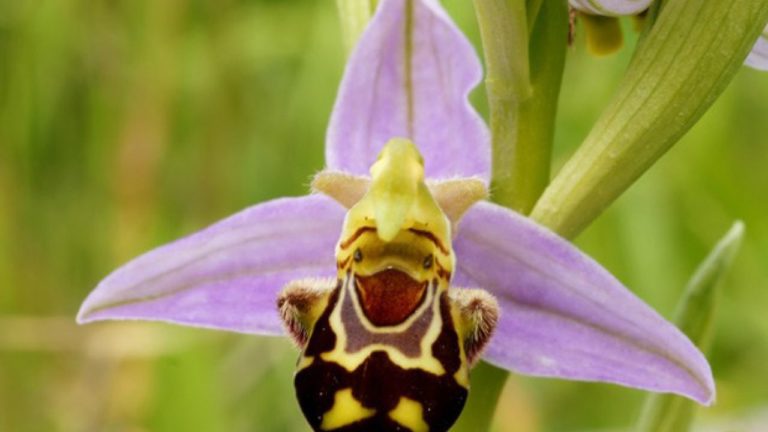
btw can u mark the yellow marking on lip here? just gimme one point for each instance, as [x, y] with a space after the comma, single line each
[397, 200]
[462, 375]
[410, 414]
[345, 410]
[350, 361]
[304, 362]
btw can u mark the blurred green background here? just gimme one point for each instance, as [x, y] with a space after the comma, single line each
[125, 124]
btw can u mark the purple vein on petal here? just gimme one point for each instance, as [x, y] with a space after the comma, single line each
[397, 84]
[226, 276]
[410, 97]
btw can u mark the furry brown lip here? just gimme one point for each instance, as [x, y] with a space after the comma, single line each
[390, 296]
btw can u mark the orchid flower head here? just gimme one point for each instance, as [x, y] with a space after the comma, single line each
[398, 239]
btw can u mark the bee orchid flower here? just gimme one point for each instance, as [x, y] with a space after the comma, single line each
[396, 274]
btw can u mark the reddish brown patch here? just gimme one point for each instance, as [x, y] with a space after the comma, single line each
[389, 297]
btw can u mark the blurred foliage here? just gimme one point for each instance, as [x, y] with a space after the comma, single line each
[125, 124]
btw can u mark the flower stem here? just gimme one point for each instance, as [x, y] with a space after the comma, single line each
[524, 63]
[524, 48]
[354, 16]
[487, 383]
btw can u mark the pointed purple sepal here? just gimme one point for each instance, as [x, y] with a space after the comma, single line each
[565, 316]
[410, 76]
[226, 276]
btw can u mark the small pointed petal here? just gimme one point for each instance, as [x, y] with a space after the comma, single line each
[758, 58]
[611, 7]
[456, 196]
[346, 189]
[563, 315]
[409, 77]
[228, 275]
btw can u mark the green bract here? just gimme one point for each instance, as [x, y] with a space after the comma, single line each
[695, 317]
[687, 58]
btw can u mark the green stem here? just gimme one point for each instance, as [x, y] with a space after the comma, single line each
[504, 32]
[523, 83]
[535, 121]
[487, 384]
[522, 91]
[354, 16]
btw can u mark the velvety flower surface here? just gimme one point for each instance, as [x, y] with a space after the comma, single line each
[562, 314]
